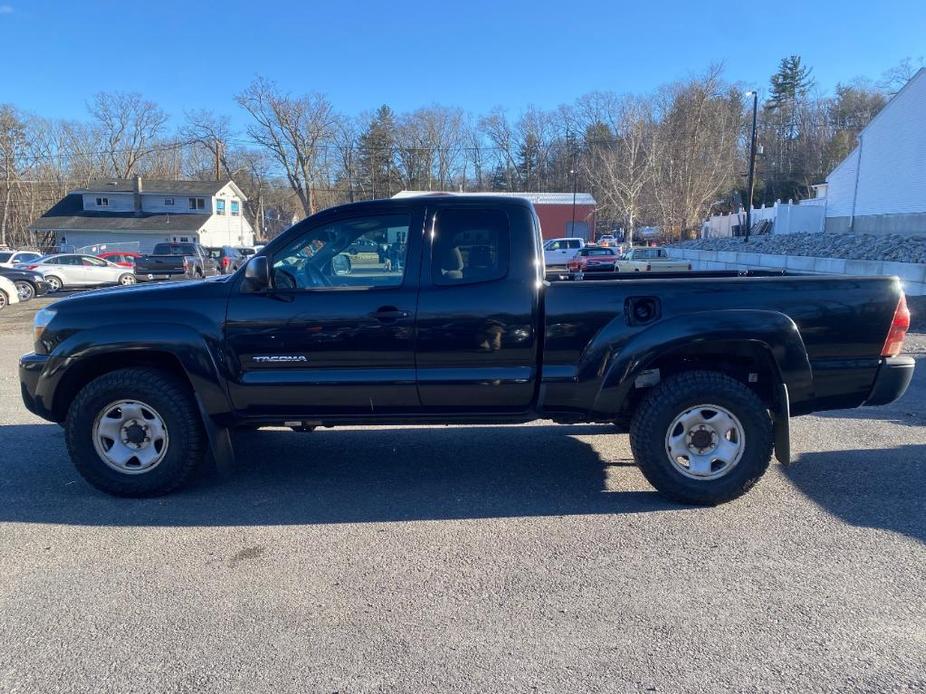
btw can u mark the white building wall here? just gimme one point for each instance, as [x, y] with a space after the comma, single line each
[892, 175]
[154, 204]
[118, 202]
[225, 230]
[881, 186]
[841, 186]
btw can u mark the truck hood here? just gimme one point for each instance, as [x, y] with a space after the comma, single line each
[148, 293]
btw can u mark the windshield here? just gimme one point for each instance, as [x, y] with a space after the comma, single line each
[5, 257]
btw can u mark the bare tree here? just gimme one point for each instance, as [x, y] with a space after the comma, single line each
[294, 130]
[620, 161]
[696, 148]
[13, 145]
[130, 127]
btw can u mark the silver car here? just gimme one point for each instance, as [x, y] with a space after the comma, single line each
[66, 270]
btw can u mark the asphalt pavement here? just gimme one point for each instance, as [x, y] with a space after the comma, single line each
[532, 558]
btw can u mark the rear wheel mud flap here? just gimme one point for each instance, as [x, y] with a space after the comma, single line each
[782, 423]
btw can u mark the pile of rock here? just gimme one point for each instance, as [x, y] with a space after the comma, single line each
[902, 249]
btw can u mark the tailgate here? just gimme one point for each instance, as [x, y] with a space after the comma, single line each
[159, 264]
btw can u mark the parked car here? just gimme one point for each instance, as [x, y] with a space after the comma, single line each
[593, 259]
[8, 293]
[248, 251]
[650, 259]
[14, 258]
[68, 270]
[120, 258]
[557, 252]
[227, 259]
[176, 261]
[703, 370]
[607, 240]
[29, 283]
[363, 246]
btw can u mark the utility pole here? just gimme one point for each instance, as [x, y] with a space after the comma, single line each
[575, 183]
[218, 160]
[752, 164]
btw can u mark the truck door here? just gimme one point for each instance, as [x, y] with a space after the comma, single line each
[476, 347]
[335, 332]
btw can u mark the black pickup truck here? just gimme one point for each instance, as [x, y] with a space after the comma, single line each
[458, 324]
[171, 261]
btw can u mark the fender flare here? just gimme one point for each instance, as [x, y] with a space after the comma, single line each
[191, 349]
[771, 331]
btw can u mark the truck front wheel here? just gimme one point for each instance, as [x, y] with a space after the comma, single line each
[702, 437]
[135, 432]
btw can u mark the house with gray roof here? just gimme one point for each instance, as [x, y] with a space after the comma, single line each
[138, 213]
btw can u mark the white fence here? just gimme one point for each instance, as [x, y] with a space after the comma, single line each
[807, 217]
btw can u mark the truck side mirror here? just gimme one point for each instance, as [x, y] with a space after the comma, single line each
[257, 273]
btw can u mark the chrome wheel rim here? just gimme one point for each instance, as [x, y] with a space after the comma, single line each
[54, 284]
[127, 280]
[2, 299]
[24, 289]
[130, 436]
[705, 442]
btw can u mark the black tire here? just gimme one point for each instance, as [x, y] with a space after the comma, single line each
[161, 391]
[4, 300]
[54, 283]
[675, 395]
[25, 289]
[126, 279]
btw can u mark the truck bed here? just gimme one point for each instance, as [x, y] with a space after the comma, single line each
[841, 322]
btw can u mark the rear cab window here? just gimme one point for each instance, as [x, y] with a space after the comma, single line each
[470, 245]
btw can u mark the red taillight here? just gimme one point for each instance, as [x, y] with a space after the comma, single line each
[31, 267]
[226, 262]
[899, 327]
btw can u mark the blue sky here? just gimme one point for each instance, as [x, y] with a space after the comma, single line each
[475, 54]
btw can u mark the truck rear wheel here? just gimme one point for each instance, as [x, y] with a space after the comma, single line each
[135, 432]
[702, 437]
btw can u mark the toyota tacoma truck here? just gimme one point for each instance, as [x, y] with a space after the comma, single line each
[175, 261]
[459, 325]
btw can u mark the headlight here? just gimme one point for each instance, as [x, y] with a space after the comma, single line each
[40, 322]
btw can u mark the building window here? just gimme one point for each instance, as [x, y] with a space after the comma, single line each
[235, 208]
[220, 207]
[197, 204]
[102, 202]
[168, 201]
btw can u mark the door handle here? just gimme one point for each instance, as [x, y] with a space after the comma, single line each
[389, 313]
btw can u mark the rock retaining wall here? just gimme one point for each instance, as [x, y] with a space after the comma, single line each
[912, 274]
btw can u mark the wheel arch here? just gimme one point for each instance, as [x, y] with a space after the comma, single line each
[176, 349]
[736, 342]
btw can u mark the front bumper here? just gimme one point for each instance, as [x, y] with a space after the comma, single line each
[31, 368]
[41, 287]
[891, 382]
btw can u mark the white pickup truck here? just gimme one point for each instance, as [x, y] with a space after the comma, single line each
[558, 252]
[650, 260]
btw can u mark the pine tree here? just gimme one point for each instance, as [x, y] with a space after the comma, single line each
[377, 152]
[791, 83]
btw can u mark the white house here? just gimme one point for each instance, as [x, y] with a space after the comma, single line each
[880, 188]
[142, 213]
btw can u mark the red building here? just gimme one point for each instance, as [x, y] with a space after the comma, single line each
[554, 209]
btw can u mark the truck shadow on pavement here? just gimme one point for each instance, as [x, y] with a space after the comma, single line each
[873, 488]
[343, 476]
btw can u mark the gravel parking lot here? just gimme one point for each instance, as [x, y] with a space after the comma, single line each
[529, 558]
